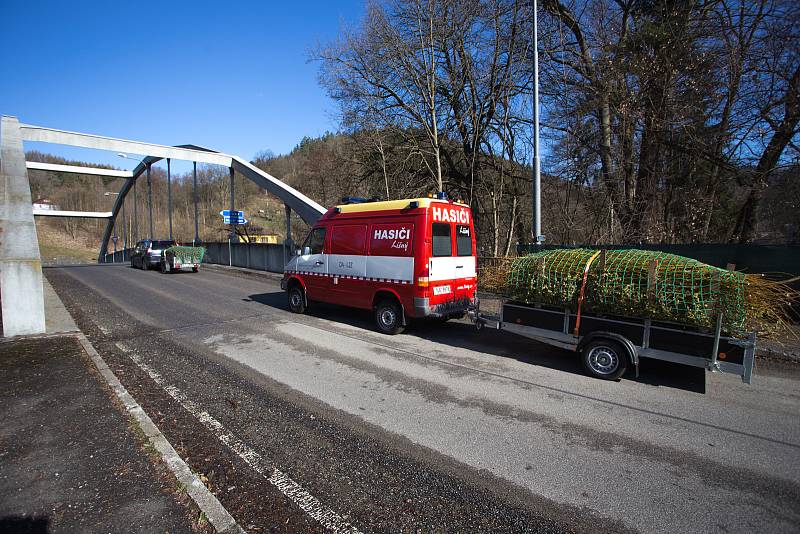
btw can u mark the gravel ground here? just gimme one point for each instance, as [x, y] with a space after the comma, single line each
[70, 461]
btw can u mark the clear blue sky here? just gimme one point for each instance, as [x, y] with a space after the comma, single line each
[233, 76]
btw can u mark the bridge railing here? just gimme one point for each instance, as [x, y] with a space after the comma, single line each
[259, 256]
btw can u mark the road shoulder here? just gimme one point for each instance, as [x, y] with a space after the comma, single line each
[71, 461]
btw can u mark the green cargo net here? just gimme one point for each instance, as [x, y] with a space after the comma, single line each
[186, 254]
[636, 283]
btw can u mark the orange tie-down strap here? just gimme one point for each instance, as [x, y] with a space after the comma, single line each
[583, 289]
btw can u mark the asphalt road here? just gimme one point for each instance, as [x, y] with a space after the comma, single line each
[440, 428]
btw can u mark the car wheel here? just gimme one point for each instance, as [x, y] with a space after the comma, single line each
[389, 317]
[164, 268]
[604, 359]
[297, 299]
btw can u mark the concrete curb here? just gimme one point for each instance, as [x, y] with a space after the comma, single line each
[217, 515]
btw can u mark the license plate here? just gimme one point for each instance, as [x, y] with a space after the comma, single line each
[441, 290]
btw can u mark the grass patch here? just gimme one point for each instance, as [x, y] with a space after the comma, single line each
[64, 254]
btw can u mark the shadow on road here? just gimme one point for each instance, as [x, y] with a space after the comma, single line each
[463, 334]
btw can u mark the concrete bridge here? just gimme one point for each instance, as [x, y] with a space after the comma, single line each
[20, 261]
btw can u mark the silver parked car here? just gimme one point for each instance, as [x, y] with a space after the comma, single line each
[147, 253]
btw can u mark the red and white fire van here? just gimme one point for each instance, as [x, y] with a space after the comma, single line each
[400, 258]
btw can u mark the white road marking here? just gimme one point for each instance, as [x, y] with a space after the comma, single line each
[291, 489]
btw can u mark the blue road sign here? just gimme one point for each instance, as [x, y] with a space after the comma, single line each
[233, 220]
[235, 217]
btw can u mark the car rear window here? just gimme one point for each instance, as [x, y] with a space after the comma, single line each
[442, 243]
[160, 245]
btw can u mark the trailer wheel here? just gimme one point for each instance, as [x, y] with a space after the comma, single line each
[389, 317]
[604, 358]
[195, 269]
[297, 300]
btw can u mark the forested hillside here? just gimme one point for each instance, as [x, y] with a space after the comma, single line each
[662, 122]
[334, 166]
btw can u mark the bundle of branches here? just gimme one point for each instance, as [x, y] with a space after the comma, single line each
[186, 254]
[639, 283]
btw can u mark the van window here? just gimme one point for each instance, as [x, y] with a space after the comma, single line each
[349, 240]
[442, 243]
[463, 241]
[315, 240]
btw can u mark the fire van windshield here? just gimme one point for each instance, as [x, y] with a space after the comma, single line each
[315, 240]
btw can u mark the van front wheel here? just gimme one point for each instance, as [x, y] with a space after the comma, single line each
[297, 300]
[389, 317]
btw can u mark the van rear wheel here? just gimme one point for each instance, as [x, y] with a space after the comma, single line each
[389, 317]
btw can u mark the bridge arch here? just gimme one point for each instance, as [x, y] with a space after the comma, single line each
[294, 200]
[20, 258]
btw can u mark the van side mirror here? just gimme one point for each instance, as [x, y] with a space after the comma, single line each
[298, 252]
[306, 251]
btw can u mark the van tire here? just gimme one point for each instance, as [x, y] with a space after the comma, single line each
[604, 358]
[296, 299]
[389, 317]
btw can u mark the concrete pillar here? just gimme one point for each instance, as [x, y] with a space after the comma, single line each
[20, 263]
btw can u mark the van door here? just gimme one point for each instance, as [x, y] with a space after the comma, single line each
[312, 264]
[441, 267]
[347, 263]
[465, 275]
[451, 267]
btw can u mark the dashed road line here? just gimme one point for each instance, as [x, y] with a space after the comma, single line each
[283, 482]
[217, 515]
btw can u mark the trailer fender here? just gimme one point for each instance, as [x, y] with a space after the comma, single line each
[630, 348]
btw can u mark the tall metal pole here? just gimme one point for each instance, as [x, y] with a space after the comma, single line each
[124, 231]
[233, 208]
[538, 238]
[135, 233]
[194, 196]
[114, 239]
[169, 197]
[150, 200]
[287, 247]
